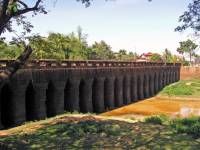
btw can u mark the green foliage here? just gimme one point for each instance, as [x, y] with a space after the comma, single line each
[178, 89]
[187, 47]
[154, 120]
[13, 7]
[156, 58]
[190, 126]
[124, 56]
[101, 51]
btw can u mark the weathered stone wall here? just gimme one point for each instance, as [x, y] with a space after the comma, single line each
[34, 94]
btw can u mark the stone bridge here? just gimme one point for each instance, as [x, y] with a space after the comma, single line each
[46, 88]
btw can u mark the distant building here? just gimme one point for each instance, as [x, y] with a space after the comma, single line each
[145, 57]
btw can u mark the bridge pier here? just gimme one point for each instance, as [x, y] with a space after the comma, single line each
[72, 95]
[156, 84]
[146, 86]
[109, 93]
[152, 84]
[39, 101]
[98, 95]
[86, 95]
[126, 90]
[161, 81]
[119, 91]
[140, 86]
[164, 79]
[174, 75]
[134, 96]
[55, 98]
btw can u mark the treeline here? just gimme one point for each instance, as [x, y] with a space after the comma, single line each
[73, 46]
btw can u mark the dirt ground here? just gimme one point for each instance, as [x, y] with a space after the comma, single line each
[177, 107]
[188, 73]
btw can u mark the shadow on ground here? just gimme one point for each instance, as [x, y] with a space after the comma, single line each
[92, 133]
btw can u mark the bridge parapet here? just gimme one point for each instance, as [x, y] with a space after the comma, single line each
[83, 64]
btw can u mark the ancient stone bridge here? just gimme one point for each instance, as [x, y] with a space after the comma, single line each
[47, 88]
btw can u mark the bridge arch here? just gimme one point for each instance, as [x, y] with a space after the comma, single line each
[6, 110]
[30, 102]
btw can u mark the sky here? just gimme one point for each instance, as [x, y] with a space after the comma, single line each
[135, 25]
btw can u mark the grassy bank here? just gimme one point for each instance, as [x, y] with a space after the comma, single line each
[93, 133]
[183, 88]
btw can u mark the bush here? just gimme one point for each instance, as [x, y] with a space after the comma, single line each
[189, 126]
[154, 120]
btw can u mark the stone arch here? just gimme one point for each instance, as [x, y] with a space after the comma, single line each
[30, 102]
[6, 110]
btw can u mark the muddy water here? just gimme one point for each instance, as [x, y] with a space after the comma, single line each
[181, 107]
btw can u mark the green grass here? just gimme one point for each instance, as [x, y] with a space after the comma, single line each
[189, 88]
[93, 133]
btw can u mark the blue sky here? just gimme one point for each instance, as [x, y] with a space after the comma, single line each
[135, 25]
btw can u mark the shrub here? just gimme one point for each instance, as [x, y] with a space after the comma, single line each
[154, 120]
[187, 125]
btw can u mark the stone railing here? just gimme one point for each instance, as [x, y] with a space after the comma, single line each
[84, 64]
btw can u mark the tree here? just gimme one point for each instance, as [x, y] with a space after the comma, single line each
[101, 51]
[191, 17]
[156, 57]
[187, 47]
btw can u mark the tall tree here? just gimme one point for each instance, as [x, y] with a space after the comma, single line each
[187, 47]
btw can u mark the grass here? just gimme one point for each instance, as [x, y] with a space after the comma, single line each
[189, 88]
[92, 133]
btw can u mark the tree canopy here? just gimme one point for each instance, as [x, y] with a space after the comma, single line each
[187, 47]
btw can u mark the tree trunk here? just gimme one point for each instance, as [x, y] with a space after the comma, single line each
[14, 66]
